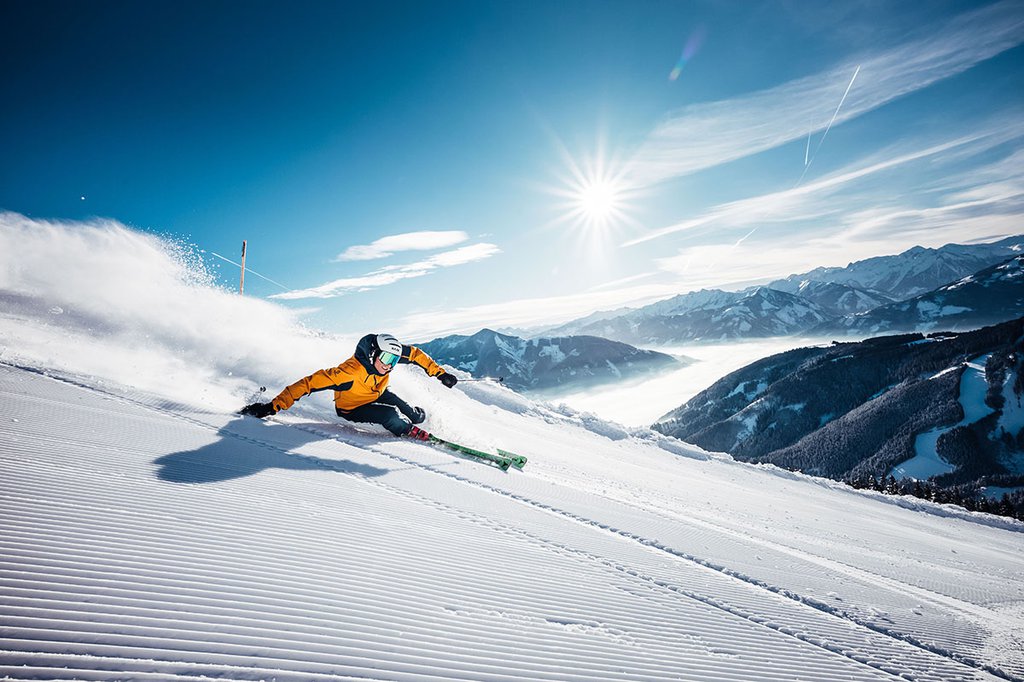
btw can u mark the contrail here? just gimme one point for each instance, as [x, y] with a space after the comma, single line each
[238, 265]
[809, 161]
[829, 126]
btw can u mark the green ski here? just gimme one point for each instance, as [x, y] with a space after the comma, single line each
[503, 459]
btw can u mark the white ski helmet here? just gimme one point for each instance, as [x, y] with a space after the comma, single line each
[388, 344]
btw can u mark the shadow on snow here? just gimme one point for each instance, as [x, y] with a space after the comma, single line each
[236, 455]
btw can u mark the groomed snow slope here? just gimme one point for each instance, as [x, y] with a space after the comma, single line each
[147, 532]
[145, 538]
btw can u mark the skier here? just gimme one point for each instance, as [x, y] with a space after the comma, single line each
[360, 386]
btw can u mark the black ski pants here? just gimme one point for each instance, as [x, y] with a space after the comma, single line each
[387, 412]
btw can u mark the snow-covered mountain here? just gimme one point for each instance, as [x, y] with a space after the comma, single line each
[913, 272]
[995, 293]
[710, 315]
[613, 323]
[821, 301]
[150, 533]
[948, 405]
[841, 299]
[540, 364]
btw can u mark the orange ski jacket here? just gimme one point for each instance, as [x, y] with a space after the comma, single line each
[355, 382]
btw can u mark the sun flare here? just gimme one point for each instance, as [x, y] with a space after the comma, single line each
[596, 195]
[599, 200]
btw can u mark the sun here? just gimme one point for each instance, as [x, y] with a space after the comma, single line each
[596, 197]
[599, 201]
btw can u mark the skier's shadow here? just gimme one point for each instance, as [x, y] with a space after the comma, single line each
[239, 452]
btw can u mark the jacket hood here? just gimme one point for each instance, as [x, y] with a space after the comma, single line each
[363, 351]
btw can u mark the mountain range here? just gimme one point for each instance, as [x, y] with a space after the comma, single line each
[996, 292]
[708, 315]
[544, 364]
[918, 290]
[946, 406]
[911, 273]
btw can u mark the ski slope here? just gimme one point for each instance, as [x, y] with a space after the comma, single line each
[148, 532]
[145, 538]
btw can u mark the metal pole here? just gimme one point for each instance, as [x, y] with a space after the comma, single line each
[241, 282]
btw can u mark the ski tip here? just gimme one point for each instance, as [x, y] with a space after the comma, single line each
[518, 461]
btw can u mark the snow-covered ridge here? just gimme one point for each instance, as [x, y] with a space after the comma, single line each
[994, 293]
[913, 272]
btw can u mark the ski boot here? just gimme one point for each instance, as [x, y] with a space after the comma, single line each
[417, 433]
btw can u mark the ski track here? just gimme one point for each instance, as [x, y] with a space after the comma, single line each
[409, 563]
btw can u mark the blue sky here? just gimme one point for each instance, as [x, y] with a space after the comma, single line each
[433, 167]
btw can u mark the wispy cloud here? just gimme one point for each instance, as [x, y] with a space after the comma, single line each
[394, 273]
[408, 241]
[833, 196]
[705, 135]
[927, 191]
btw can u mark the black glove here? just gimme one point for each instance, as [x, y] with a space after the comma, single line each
[417, 416]
[447, 379]
[260, 410]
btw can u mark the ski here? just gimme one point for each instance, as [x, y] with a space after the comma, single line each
[503, 459]
[518, 461]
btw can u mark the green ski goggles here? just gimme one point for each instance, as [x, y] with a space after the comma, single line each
[389, 359]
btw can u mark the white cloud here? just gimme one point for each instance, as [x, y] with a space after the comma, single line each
[926, 192]
[705, 135]
[848, 191]
[394, 273]
[409, 241]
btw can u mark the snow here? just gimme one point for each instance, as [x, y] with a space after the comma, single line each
[926, 461]
[749, 392]
[153, 538]
[928, 309]
[1012, 418]
[953, 310]
[747, 419]
[973, 387]
[147, 532]
[553, 352]
[996, 493]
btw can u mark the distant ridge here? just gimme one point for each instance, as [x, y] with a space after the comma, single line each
[829, 301]
[547, 363]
